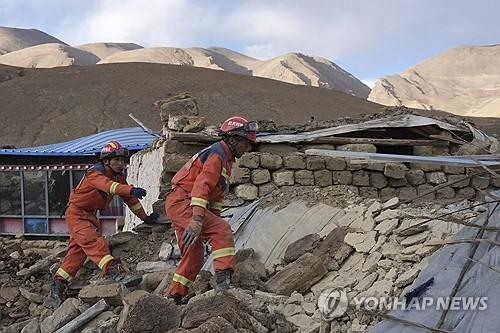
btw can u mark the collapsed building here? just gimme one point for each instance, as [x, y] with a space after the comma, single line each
[374, 207]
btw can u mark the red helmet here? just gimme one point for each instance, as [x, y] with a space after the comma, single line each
[113, 149]
[241, 127]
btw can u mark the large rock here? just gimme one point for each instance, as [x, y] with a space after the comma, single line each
[112, 293]
[63, 315]
[249, 160]
[166, 251]
[360, 241]
[415, 177]
[294, 162]
[247, 191]
[32, 327]
[239, 175]
[270, 161]
[154, 266]
[377, 180]
[151, 313]
[342, 177]
[283, 177]
[436, 178]
[304, 177]
[315, 163]
[260, 176]
[395, 170]
[249, 273]
[298, 276]
[301, 246]
[9, 293]
[360, 178]
[323, 178]
[335, 164]
[233, 306]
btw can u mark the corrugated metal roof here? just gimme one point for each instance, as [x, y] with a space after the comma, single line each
[133, 138]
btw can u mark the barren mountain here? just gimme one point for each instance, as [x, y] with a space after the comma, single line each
[103, 50]
[463, 80]
[13, 39]
[292, 68]
[48, 55]
[41, 106]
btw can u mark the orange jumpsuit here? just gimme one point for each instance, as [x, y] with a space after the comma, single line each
[198, 188]
[95, 192]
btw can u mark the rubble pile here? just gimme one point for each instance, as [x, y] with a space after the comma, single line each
[370, 252]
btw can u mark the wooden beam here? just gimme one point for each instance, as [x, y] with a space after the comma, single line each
[200, 137]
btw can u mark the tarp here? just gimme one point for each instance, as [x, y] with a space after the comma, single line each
[399, 121]
[479, 280]
[269, 231]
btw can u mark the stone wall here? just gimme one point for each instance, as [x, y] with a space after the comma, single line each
[276, 165]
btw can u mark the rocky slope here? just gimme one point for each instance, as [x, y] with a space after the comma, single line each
[463, 80]
[13, 39]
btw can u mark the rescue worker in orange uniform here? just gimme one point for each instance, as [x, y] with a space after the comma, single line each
[194, 206]
[94, 192]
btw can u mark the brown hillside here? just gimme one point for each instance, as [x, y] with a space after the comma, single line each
[41, 106]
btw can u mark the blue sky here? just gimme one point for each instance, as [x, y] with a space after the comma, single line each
[369, 38]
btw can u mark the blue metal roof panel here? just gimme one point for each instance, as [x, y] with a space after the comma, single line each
[133, 138]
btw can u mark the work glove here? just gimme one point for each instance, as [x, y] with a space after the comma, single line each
[151, 218]
[138, 192]
[192, 231]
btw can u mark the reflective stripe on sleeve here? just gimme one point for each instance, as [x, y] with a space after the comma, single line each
[199, 202]
[65, 275]
[107, 258]
[112, 188]
[136, 207]
[227, 251]
[182, 280]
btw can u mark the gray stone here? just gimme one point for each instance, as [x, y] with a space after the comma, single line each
[173, 162]
[371, 262]
[374, 166]
[342, 177]
[426, 167]
[480, 182]
[315, 163]
[270, 161]
[368, 192]
[387, 193]
[128, 301]
[445, 193]
[283, 177]
[380, 288]
[360, 178]
[360, 241]
[112, 293]
[304, 322]
[260, 176]
[294, 162]
[304, 177]
[247, 192]
[406, 193]
[154, 266]
[239, 175]
[266, 189]
[392, 203]
[415, 177]
[364, 147]
[323, 178]
[407, 277]
[387, 214]
[63, 315]
[456, 178]
[387, 226]
[301, 246]
[422, 150]
[377, 180]
[452, 169]
[276, 149]
[395, 170]
[32, 297]
[32, 327]
[414, 239]
[151, 280]
[426, 188]
[397, 182]
[292, 309]
[249, 160]
[335, 164]
[9, 293]
[466, 193]
[436, 178]
[166, 250]
[495, 181]
[366, 282]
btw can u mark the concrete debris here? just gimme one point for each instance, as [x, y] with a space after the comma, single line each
[63, 315]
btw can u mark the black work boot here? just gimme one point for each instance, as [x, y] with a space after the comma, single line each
[223, 280]
[55, 296]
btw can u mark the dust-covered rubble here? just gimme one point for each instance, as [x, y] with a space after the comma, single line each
[370, 252]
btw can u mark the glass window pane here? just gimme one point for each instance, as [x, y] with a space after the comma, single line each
[34, 193]
[77, 177]
[58, 184]
[10, 193]
[35, 226]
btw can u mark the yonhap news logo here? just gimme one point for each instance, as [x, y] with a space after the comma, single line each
[334, 303]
